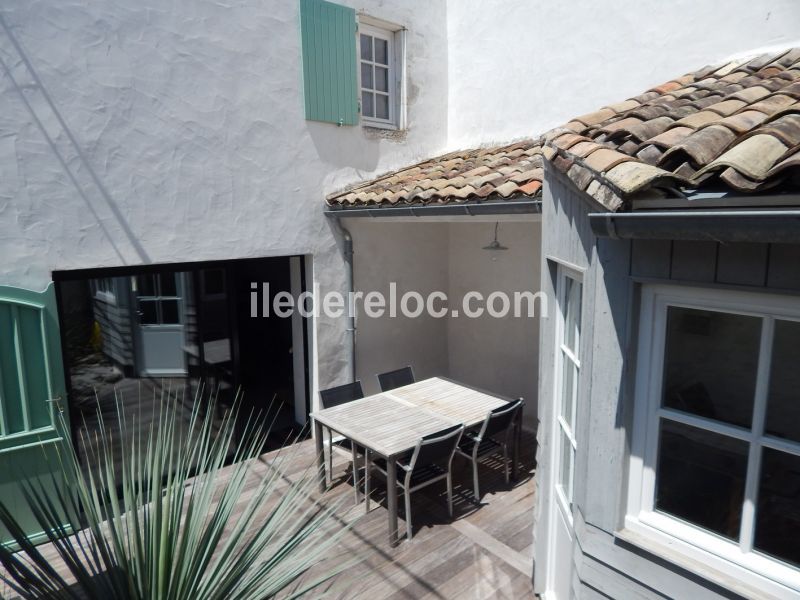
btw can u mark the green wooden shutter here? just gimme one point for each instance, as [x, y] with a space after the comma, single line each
[328, 34]
[32, 390]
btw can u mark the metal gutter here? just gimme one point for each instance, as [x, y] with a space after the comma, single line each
[779, 226]
[511, 207]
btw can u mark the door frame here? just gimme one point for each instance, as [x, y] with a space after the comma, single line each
[562, 272]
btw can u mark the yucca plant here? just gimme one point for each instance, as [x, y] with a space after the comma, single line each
[158, 515]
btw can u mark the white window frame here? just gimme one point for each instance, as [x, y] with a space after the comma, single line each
[700, 546]
[563, 352]
[395, 38]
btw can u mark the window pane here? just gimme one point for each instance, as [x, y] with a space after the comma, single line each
[700, 477]
[382, 106]
[566, 466]
[778, 513]
[570, 376]
[213, 282]
[710, 364]
[168, 286]
[145, 285]
[381, 51]
[381, 79]
[572, 318]
[366, 76]
[367, 106]
[366, 47]
[148, 312]
[169, 312]
[783, 405]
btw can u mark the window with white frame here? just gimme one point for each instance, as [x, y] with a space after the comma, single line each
[104, 289]
[377, 76]
[568, 367]
[716, 454]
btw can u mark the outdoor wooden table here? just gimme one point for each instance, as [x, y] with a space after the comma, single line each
[391, 423]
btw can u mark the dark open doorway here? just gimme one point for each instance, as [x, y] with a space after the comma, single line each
[131, 334]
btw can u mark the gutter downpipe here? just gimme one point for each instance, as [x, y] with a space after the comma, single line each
[351, 317]
[778, 226]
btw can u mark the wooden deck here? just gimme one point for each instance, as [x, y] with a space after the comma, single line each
[484, 553]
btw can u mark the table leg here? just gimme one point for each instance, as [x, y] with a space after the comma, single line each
[320, 445]
[391, 498]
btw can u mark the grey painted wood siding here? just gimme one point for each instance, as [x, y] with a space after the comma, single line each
[603, 565]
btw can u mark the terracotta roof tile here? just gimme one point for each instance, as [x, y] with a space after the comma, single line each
[736, 125]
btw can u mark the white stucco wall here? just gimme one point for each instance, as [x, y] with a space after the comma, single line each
[520, 67]
[140, 131]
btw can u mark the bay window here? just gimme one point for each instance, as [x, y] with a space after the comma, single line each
[716, 446]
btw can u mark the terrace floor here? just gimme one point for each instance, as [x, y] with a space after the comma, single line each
[484, 553]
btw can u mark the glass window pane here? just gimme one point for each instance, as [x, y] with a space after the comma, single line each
[783, 404]
[778, 513]
[710, 364]
[148, 312]
[381, 79]
[366, 76]
[213, 282]
[381, 51]
[145, 285]
[382, 106]
[572, 314]
[700, 477]
[367, 104]
[567, 465]
[169, 312]
[569, 378]
[168, 285]
[366, 47]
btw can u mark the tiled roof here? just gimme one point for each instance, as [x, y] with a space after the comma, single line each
[735, 126]
[479, 174]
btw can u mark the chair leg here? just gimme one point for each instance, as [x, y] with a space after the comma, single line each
[366, 479]
[505, 460]
[450, 493]
[408, 514]
[476, 489]
[330, 457]
[355, 472]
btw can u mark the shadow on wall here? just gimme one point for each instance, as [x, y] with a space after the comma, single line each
[135, 251]
[345, 147]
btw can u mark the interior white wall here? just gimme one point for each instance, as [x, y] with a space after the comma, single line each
[497, 354]
[519, 67]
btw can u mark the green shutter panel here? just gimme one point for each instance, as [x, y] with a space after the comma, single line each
[328, 34]
[32, 390]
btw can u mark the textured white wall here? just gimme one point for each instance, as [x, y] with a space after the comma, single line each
[140, 131]
[520, 67]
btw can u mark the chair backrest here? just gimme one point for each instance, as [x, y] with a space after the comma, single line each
[341, 394]
[395, 379]
[500, 419]
[436, 448]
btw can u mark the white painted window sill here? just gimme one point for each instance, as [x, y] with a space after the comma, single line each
[379, 125]
[704, 564]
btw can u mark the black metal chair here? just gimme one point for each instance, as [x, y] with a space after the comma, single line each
[395, 379]
[431, 461]
[337, 396]
[493, 436]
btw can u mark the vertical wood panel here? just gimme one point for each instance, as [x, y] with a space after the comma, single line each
[784, 266]
[742, 264]
[651, 258]
[694, 260]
